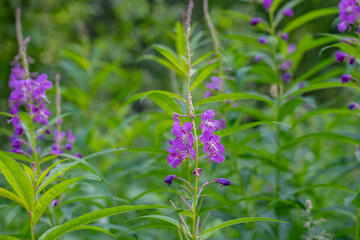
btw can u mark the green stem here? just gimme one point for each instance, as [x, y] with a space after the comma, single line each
[196, 181]
[31, 228]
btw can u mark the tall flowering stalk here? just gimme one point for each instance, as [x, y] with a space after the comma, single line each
[349, 13]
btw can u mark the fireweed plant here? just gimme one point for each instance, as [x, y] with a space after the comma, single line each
[348, 55]
[195, 142]
[38, 140]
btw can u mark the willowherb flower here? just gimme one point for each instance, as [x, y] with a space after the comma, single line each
[255, 21]
[353, 105]
[55, 202]
[288, 12]
[349, 12]
[286, 77]
[340, 56]
[207, 122]
[223, 181]
[169, 179]
[291, 48]
[286, 65]
[212, 146]
[262, 40]
[267, 4]
[351, 60]
[285, 36]
[346, 78]
[258, 58]
[215, 84]
[198, 173]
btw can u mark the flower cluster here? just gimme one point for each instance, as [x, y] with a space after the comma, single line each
[28, 93]
[349, 12]
[60, 139]
[215, 84]
[181, 147]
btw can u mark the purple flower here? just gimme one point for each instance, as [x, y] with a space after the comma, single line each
[223, 181]
[207, 94]
[262, 40]
[258, 58]
[175, 157]
[56, 149]
[349, 12]
[169, 179]
[340, 56]
[78, 155]
[255, 21]
[351, 60]
[41, 114]
[212, 146]
[286, 77]
[215, 84]
[285, 36]
[353, 105]
[286, 65]
[267, 4]
[198, 173]
[55, 202]
[291, 48]
[222, 124]
[207, 123]
[346, 78]
[288, 12]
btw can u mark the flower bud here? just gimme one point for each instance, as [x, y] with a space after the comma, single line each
[346, 78]
[255, 21]
[169, 179]
[198, 173]
[223, 181]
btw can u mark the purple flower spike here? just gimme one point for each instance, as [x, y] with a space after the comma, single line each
[267, 4]
[197, 173]
[351, 60]
[258, 58]
[288, 12]
[353, 105]
[340, 56]
[223, 181]
[55, 202]
[263, 40]
[169, 179]
[349, 12]
[255, 21]
[346, 78]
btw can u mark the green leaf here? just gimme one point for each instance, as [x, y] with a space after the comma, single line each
[234, 96]
[199, 60]
[3, 237]
[94, 228]
[319, 86]
[50, 123]
[162, 62]
[261, 26]
[72, 225]
[45, 200]
[324, 112]
[160, 217]
[180, 39]
[78, 58]
[231, 130]
[298, 22]
[249, 40]
[314, 70]
[18, 180]
[325, 135]
[9, 195]
[210, 231]
[6, 114]
[205, 72]
[166, 103]
[19, 157]
[140, 96]
[169, 55]
[101, 187]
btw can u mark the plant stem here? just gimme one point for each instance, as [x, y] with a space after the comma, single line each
[196, 182]
[31, 227]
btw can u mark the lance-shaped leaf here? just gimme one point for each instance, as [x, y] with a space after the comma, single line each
[231, 130]
[162, 218]
[45, 200]
[18, 180]
[298, 22]
[9, 195]
[73, 225]
[203, 74]
[3, 237]
[210, 231]
[233, 96]
[170, 55]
